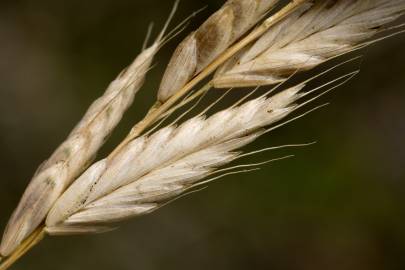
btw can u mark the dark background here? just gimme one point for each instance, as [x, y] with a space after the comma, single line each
[339, 204]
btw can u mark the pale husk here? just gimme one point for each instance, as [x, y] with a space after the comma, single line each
[76, 153]
[154, 169]
[201, 47]
[307, 38]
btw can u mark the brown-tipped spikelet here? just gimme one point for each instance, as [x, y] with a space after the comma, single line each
[201, 47]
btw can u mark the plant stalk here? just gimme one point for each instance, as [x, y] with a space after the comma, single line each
[23, 248]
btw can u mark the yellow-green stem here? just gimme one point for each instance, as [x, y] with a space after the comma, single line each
[23, 248]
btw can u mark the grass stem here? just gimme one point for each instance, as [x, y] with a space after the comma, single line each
[24, 247]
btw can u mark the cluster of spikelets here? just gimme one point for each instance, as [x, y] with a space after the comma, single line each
[247, 43]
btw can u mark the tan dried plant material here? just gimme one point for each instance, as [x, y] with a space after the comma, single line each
[73, 195]
[307, 38]
[77, 152]
[201, 47]
[168, 163]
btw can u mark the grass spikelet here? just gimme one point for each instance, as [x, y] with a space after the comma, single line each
[168, 163]
[201, 47]
[315, 34]
[77, 152]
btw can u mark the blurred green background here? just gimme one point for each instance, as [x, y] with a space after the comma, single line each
[338, 204]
